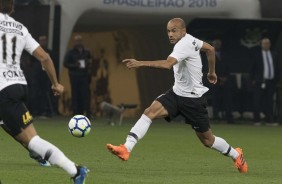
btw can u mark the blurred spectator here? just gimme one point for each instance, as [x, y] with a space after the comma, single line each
[264, 75]
[101, 72]
[41, 98]
[78, 62]
[221, 92]
[102, 75]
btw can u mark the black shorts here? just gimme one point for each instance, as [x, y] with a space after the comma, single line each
[194, 110]
[13, 111]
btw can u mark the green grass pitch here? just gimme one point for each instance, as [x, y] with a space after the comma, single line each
[170, 153]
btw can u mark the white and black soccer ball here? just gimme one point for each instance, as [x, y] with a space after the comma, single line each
[79, 126]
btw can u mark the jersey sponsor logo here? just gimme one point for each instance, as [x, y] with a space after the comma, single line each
[11, 24]
[26, 117]
[11, 30]
[13, 75]
[196, 46]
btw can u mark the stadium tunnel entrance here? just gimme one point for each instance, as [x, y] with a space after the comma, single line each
[150, 42]
[120, 31]
[123, 30]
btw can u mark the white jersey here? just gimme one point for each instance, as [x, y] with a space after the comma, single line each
[14, 38]
[188, 69]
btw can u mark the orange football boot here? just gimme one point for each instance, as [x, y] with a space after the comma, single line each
[240, 162]
[120, 151]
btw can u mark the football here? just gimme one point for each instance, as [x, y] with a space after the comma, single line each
[79, 126]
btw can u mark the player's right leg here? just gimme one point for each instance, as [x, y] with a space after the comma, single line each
[121, 151]
[138, 131]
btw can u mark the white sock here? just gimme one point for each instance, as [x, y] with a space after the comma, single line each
[223, 147]
[56, 156]
[137, 132]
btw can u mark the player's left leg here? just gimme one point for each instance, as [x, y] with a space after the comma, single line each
[29, 139]
[32, 154]
[39, 159]
[195, 112]
[219, 144]
[48, 151]
[19, 122]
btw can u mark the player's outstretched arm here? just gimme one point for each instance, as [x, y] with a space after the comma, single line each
[48, 66]
[164, 64]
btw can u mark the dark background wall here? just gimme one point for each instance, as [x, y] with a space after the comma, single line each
[36, 19]
[239, 37]
[151, 42]
[271, 8]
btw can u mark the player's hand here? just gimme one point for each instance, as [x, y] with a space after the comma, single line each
[212, 78]
[57, 89]
[131, 63]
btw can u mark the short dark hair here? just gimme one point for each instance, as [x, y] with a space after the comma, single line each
[6, 6]
[180, 21]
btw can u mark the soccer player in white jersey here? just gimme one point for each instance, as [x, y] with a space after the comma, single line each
[185, 98]
[13, 91]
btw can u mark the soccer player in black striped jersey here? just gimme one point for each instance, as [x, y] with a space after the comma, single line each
[186, 96]
[13, 91]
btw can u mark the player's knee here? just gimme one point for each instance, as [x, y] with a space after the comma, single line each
[155, 111]
[25, 136]
[150, 113]
[207, 143]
